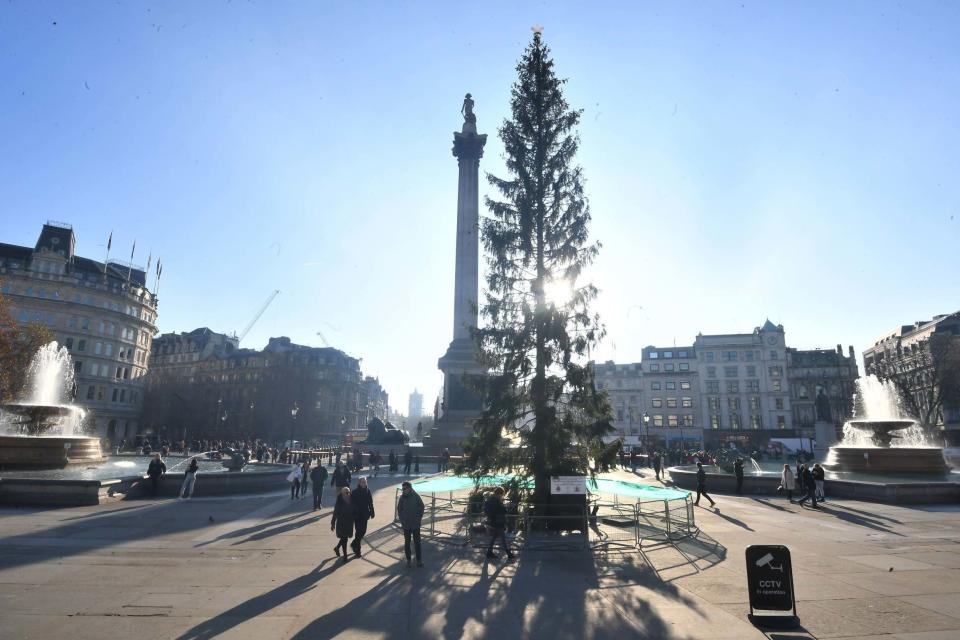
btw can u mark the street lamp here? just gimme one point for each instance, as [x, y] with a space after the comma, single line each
[293, 421]
[646, 424]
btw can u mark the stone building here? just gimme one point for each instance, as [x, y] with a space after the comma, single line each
[726, 388]
[102, 312]
[376, 400]
[821, 371]
[923, 361]
[415, 406]
[204, 385]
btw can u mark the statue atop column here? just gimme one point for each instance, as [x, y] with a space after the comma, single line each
[469, 119]
[822, 405]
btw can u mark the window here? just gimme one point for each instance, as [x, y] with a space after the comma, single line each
[658, 421]
[753, 386]
[671, 403]
[98, 348]
[729, 356]
[101, 393]
[712, 372]
[108, 349]
[733, 386]
[682, 354]
[748, 356]
[668, 354]
[656, 403]
[653, 355]
[90, 391]
[734, 420]
[714, 403]
[673, 421]
[781, 422]
[688, 420]
[85, 324]
[668, 366]
[778, 404]
[102, 327]
[123, 395]
[68, 343]
[654, 367]
[773, 355]
[714, 422]
[751, 371]
[684, 366]
[116, 394]
[733, 403]
[776, 385]
[754, 403]
[755, 422]
[119, 373]
[671, 386]
[72, 323]
[111, 329]
[655, 386]
[685, 385]
[77, 367]
[730, 372]
[776, 372]
[686, 402]
[709, 356]
[81, 345]
[713, 386]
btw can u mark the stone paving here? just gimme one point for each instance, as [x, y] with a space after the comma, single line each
[263, 567]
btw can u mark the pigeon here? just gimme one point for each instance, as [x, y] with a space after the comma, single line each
[211, 518]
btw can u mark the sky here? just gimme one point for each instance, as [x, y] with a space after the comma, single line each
[744, 161]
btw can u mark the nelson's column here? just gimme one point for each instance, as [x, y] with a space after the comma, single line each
[461, 405]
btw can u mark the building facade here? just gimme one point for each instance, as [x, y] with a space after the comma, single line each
[415, 406]
[922, 361]
[102, 312]
[742, 388]
[204, 385]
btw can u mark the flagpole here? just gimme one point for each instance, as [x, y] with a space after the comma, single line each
[107, 258]
[130, 266]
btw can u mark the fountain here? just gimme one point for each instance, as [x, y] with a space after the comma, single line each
[42, 429]
[883, 442]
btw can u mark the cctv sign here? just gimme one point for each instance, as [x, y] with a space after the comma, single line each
[770, 578]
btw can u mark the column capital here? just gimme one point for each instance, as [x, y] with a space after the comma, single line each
[468, 145]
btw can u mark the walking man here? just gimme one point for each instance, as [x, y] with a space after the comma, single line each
[340, 477]
[702, 486]
[362, 512]
[809, 487]
[319, 478]
[294, 479]
[407, 461]
[738, 471]
[496, 514]
[656, 464]
[410, 512]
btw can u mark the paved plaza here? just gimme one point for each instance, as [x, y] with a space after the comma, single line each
[263, 567]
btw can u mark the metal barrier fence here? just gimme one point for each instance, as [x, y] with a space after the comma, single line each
[453, 518]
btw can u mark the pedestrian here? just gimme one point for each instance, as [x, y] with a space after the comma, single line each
[416, 463]
[304, 477]
[156, 469]
[392, 461]
[799, 475]
[787, 482]
[810, 488]
[294, 479]
[818, 477]
[319, 478]
[656, 464]
[407, 461]
[375, 463]
[189, 479]
[362, 512]
[446, 460]
[633, 460]
[702, 486]
[738, 471]
[340, 477]
[410, 512]
[496, 514]
[342, 521]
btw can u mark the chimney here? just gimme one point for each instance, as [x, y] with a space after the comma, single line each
[852, 355]
[839, 349]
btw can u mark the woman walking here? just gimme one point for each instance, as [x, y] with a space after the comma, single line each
[342, 521]
[787, 482]
[294, 479]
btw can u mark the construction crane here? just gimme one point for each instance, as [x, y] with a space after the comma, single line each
[324, 339]
[266, 304]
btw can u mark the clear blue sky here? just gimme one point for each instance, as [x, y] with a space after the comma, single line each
[797, 161]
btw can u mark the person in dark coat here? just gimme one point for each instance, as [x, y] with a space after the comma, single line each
[156, 469]
[410, 514]
[340, 477]
[407, 461]
[319, 478]
[304, 477]
[342, 521]
[809, 487]
[738, 471]
[702, 486]
[656, 464]
[362, 512]
[496, 514]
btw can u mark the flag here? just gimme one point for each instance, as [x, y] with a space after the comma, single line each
[109, 241]
[132, 250]
[158, 267]
[149, 260]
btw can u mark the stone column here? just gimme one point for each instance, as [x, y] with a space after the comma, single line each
[460, 405]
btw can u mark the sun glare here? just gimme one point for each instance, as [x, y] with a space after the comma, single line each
[558, 292]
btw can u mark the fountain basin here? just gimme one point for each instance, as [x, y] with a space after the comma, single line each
[913, 460]
[45, 452]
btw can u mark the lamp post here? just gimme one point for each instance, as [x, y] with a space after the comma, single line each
[293, 421]
[646, 425]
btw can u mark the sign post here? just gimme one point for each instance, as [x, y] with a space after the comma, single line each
[568, 485]
[770, 582]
